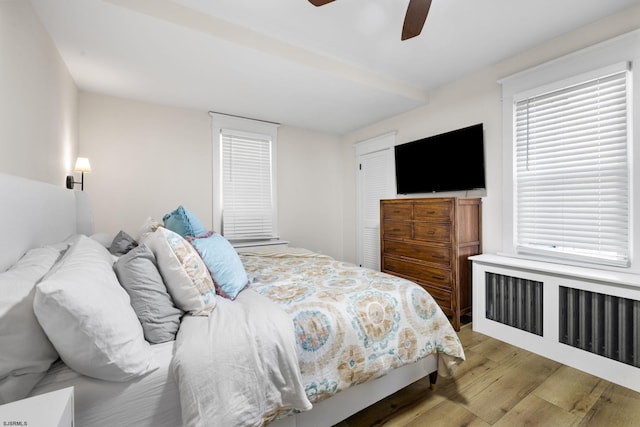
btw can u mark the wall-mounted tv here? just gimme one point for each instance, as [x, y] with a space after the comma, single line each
[451, 161]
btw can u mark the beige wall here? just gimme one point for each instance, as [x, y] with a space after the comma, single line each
[310, 184]
[147, 159]
[38, 125]
[472, 100]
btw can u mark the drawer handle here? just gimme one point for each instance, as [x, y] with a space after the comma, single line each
[437, 256]
[431, 232]
[437, 277]
[431, 212]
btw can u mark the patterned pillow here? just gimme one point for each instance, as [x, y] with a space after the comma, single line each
[223, 262]
[184, 222]
[149, 226]
[183, 271]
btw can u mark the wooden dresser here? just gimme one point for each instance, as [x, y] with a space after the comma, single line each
[428, 241]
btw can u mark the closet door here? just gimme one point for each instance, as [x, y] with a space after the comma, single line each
[376, 181]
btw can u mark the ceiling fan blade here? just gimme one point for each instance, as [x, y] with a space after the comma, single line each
[414, 19]
[319, 2]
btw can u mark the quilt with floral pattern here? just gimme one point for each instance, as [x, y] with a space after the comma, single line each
[352, 324]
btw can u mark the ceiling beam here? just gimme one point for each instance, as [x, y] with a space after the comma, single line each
[189, 18]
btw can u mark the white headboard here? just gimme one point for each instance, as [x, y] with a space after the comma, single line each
[35, 213]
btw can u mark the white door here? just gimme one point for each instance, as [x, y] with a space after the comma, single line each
[376, 181]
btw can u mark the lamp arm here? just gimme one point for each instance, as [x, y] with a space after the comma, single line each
[70, 182]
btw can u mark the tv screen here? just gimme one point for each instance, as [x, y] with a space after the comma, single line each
[450, 161]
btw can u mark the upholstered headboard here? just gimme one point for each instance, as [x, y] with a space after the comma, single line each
[35, 213]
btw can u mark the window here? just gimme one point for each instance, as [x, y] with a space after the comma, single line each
[571, 170]
[244, 182]
[568, 158]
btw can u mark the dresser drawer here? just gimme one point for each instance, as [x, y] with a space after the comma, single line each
[428, 241]
[442, 297]
[424, 273]
[437, 211]
[397, 229]
[396, 211]
[435, 255]
[431, 232]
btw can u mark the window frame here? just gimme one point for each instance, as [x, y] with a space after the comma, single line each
[558, 73]
[222, 122]
[568, 86]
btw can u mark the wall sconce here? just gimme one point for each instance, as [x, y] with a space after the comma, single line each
[82, 165]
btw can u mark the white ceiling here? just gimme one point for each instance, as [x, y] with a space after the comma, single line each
[335, 68]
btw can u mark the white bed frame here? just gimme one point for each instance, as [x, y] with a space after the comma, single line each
[346, 403]
[36, 213]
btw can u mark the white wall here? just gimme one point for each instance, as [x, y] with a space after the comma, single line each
[38, 125]
[474, 99]
[310, 186]
[147, 159]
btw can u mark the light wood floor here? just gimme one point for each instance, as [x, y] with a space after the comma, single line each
[502, 385]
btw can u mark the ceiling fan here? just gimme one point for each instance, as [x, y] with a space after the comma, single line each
[413, 20]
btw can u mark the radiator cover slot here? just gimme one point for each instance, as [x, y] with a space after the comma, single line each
[514, 302]
[602, 324]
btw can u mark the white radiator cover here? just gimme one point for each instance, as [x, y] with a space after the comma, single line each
[553, 277]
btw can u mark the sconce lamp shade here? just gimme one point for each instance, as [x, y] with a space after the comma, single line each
[82, 165]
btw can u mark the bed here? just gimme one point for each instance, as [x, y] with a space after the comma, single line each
[341, 367]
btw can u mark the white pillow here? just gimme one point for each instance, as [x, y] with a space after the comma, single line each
[88, 318]
[103, 238]
[148, 226]
[25, 351]
[183, 271]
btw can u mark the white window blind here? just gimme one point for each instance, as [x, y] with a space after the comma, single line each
[572, 171]
[247, 196]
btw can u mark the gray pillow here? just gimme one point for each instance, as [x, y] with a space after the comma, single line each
[138, 274]
[122, 244]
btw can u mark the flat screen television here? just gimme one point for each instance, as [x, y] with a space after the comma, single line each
[451, 161]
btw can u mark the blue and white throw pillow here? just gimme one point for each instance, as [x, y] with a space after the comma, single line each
[223, 263]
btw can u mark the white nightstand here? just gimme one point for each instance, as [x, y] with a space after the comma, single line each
[54, 409]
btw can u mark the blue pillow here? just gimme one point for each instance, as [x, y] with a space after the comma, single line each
[223, 263]
[184, 222]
